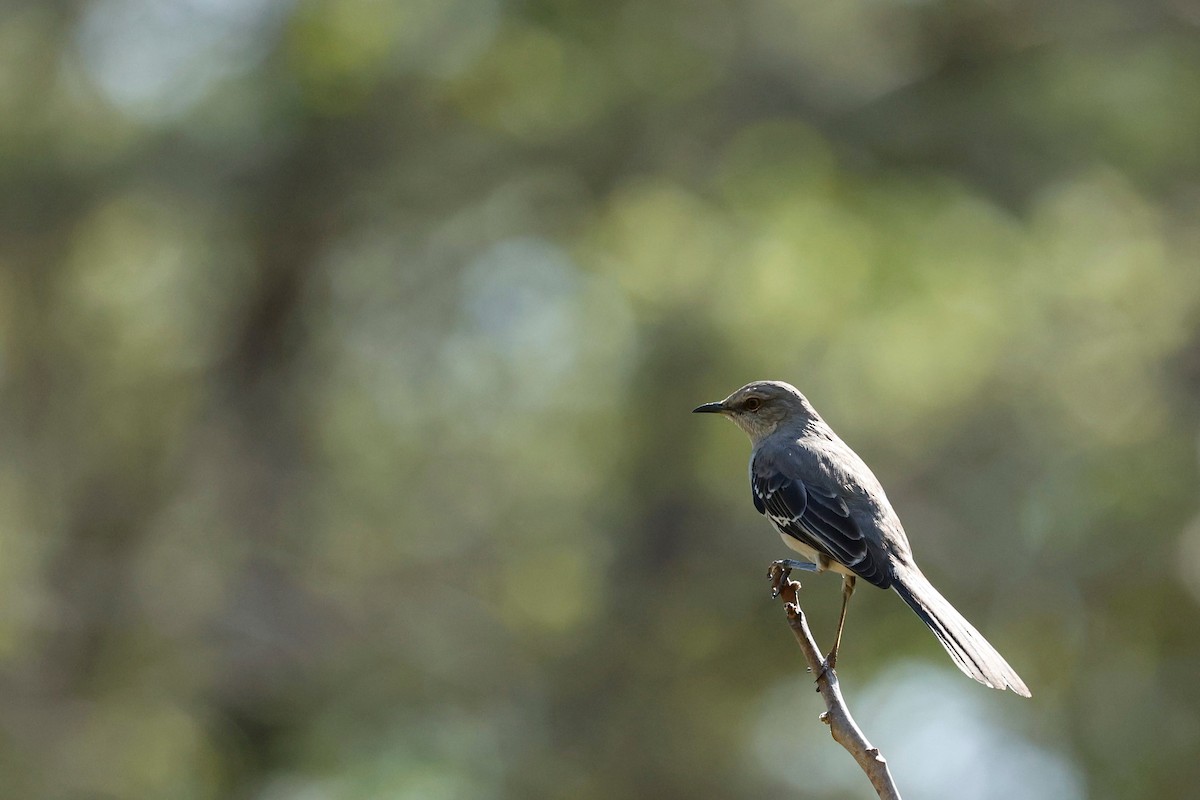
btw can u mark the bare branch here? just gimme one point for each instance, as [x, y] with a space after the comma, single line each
[837, 716]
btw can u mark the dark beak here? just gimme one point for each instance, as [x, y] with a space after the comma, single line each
[709, 408]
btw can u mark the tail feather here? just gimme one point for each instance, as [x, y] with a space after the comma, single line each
[966, 646]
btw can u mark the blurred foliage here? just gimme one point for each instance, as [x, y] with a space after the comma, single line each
[347, 349]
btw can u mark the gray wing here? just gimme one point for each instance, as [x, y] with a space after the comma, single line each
[817, 516]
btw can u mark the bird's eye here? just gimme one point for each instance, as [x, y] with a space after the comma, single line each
[752, 404]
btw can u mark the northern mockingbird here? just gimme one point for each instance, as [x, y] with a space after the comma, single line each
[828, 506]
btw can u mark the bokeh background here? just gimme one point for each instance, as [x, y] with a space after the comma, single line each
[347, 349]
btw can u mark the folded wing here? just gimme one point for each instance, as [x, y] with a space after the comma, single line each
[817, 516]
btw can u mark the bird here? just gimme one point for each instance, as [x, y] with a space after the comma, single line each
[830, 508]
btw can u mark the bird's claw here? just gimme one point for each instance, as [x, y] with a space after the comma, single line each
[827, 667]
[778, 574]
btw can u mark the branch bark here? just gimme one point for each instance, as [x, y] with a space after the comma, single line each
[837, 716]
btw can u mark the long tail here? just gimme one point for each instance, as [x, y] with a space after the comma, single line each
[970, 651]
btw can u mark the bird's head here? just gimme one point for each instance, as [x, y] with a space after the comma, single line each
[759, 408]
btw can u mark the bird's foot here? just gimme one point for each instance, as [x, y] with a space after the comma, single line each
[778, 575]
[827, 666]
[780, 571]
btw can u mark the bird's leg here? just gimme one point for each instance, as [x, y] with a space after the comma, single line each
[780, 571]
[831, 659]
[791, 563]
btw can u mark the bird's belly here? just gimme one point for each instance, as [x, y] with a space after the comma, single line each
[800, 547]
[824, 562]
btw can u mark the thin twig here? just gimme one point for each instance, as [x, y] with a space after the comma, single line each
[837, 716]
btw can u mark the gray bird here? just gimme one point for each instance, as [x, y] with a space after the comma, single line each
[828, 506]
